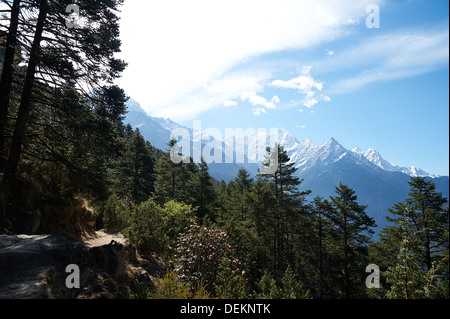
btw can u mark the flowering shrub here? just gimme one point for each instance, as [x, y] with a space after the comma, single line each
[199, 253]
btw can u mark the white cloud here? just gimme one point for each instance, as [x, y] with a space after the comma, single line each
[387, 57]
[310, 102]
[229, 103]
[258, 100]
[180, 51]
[305, 85]
[258, 111]
[275, 100]
[217, 92]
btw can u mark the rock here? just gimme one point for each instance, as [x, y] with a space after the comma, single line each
[33, 267]
[27, 260]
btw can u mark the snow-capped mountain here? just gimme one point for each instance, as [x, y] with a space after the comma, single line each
[378, 183]
[158, 131]
[307, 154]
[374, 157]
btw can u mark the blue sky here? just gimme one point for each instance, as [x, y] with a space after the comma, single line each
[311, 67]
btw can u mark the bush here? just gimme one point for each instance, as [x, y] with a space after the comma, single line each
[153, 228]
[115, 214]
[291, 287]
[146, 229]
[268, 287]
[169, 287]
[176, 217]
[199, 253]
[230, 280]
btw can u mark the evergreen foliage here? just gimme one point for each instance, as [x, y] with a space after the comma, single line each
[62, 138]
[414, 250]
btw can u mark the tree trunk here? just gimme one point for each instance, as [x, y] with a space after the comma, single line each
[320, 259]
[428, 260]
[346, 259]
[7, 75]
[25, 103]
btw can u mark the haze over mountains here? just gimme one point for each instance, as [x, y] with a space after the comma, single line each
[378, 183]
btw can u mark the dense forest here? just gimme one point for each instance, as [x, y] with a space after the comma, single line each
[63, 143]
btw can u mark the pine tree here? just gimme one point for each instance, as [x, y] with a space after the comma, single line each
[135, 169]
[203, 192]
[58, 63]
[222, 202]
[229, 284]
[293, 288]
[405, 279]
[240, 194]
[289, 211]
[12, 162]
[7, 76]
[424, 209]
[259, 230]
[172, 177]
[268, 287]
[414, 250]
[322, 273]
[352, 226]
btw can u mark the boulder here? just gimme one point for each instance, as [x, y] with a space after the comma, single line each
[34, 266]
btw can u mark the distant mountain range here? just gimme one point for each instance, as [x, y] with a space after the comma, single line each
[378, 183]
[375, 157]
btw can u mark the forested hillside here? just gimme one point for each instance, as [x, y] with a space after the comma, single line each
[64, 147]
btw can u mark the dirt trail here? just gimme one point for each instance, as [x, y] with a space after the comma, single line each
[104, 238]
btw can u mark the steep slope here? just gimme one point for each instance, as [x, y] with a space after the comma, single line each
[34, 267]
[374, 157]
[377, 189]
[158, 132]
[149, 127]
[378, 183]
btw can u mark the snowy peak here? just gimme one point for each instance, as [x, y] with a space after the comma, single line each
[305, 154]
[372, 154]
[333, 145]
[332, 141]
[134, 106]
[168, 124]
[282, 137]
[415, 171]
[308, 143]
[374, 157]
[331, 151]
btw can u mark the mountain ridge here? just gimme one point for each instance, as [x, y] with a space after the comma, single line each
[378, 183]
[158, 131]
